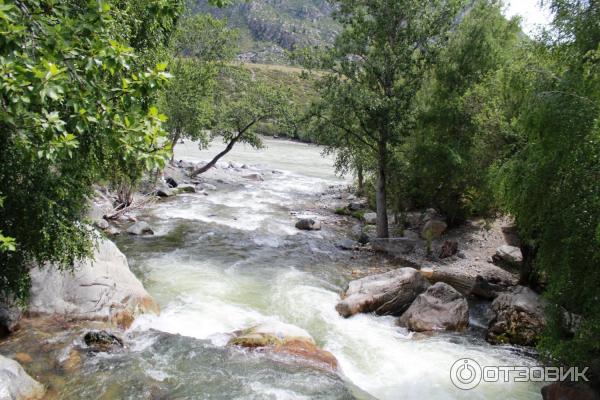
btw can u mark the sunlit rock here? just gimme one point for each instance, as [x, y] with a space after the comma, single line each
[103, 289]
[287, 340]
[16, 384]
[389, 293]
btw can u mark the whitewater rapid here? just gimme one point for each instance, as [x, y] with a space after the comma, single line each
[233, 259]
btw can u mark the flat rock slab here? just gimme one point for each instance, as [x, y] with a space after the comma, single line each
[479, 278]
[389, 293]
[396, 247]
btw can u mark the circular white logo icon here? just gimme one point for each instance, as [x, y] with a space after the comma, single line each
[465, 374]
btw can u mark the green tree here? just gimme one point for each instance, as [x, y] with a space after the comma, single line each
[375, 70]
[75, 105]
[551, 184]
[201, 46]
[242, 103]
[451, 148]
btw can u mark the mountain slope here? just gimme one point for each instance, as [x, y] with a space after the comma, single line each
[270, 27]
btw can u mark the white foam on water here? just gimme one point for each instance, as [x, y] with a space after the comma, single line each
[208, 298]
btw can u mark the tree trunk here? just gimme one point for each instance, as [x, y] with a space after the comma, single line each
[212, 162]
[382, 218]
[176, 137]
[528, 276]
[361, 179]
[237, 137]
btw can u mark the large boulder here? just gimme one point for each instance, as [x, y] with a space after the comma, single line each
[370, 218]
[517, 317]
[16, 384]
[508, 254]
[100, 289]
[389, 293]
[393, 246]
[357, 205]
[439, 308]
[308, 224]
[285, 339]
[478, 278]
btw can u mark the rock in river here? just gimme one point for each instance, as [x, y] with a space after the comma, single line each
[388, 293]
[439, 308]
[102, 289]
[102, 341]
[518, 317]
[285, 339]
[308, 224]
[16, 384]
[140, 228]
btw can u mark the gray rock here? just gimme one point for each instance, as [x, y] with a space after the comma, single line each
[140, 228]
[112, 231]
[389, 293]
[356, 206]
[346, 244]
[439, 308]
[517, 317]
[433, 228]
[254, 177]
[101, 224]
[308, 224]
[393, 246]
[16, 384]
[509, 254]
[164, 191]
[102, 289]
[370, 218]
[468, 277]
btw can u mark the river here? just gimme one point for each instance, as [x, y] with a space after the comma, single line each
[226, 261]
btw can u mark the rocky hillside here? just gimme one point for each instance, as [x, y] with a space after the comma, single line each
[270, 27]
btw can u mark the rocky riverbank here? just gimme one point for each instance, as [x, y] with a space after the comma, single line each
[272, 318]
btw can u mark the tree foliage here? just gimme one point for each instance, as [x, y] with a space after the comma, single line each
[551, 185]
[200, 48]
[75, 106]
[375, 70]
[455, 139]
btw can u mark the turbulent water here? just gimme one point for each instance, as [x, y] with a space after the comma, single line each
[226, 261]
